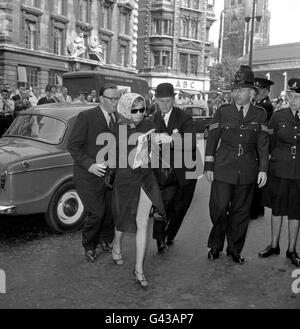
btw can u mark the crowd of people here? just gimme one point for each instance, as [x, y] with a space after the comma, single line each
[13, 102]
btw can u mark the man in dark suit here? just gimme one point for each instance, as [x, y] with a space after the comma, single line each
[172, 123]
[261, 99]
[90, 175]
[236, 158]
[48, 98]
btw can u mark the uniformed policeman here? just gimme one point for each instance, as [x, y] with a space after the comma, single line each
[236, 159]
[283, 189]
[262, 96]
[261, 99]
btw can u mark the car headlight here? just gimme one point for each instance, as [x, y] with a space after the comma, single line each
[3, 179]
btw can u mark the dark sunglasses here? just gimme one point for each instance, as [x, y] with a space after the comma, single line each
[141, 110]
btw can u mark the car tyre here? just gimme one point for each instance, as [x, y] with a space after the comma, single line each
[65, 212]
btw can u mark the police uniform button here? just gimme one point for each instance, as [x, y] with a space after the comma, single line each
[242, 126]
[296, 127]
[294, 157]
[241, 135]
[283, 126]
[227, 127]
[295, 137]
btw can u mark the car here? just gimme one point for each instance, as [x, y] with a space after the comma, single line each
[36, 169]
[200, 117]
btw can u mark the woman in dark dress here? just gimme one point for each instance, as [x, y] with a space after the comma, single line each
[282, 193]
[135, 187]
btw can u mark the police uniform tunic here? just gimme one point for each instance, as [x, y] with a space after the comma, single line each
[237, 149]
[256, 208]
[283, 189]
[267, 105]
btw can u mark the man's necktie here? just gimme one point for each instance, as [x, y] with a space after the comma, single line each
[164, 118]
[111, 120]
[297, 116]
[241, 112]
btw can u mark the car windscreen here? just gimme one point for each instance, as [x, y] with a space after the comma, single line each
[38, 127]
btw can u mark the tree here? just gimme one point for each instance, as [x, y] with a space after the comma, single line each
[222, 74]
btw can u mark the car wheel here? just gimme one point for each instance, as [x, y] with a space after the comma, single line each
[66, 212]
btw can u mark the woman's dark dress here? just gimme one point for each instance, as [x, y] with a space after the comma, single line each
[127, 186]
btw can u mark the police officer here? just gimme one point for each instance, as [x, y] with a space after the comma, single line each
[262, 96]
[283, 189]
[261, 99]
[236, 159]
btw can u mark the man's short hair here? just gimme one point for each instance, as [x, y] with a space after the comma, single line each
[107, 86]
[81, 92]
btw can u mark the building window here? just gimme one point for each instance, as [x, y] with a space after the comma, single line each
[105, 17]
[184, 63]
[194, 29]
[232, 3]
[32, 76]
[186, 3]
[165, 58]
[162, 27]
[84, 10]
[196, 4]
[58, 41]
[193, 64]
[156, 58]
[30, 35]
[184, 28]
[105, 48]
[167, 27]
[123, 55]
[124, 22]
[60, 7]
[240, 2]
[33, 3]
[55, 78]
[161, 58]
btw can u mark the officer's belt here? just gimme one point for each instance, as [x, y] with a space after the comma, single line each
[240, 149]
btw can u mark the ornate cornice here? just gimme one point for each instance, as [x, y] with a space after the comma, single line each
[32, 10]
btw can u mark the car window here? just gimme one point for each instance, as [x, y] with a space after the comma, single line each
[39, 127]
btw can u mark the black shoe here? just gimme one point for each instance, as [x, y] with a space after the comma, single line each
[105, 246]
[213, 254]
[90, 255]
[294, 257]
[161, 246]
[237, 258]
[269, 251]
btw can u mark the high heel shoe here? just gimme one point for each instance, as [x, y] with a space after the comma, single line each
[117, 260]
[140, 279]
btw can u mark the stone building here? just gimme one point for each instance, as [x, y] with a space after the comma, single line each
[42, 39]
[278, 63]
[173, 37]
[235, 27]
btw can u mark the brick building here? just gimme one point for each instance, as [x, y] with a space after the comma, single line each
[235, 27]
[173, 37]
[42, 39]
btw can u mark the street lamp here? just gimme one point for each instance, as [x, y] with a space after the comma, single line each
[252, 18]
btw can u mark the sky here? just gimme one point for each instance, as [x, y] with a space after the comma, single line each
[284, 27]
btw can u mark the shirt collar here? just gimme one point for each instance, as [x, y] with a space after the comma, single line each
[167, 115]
[245, 107]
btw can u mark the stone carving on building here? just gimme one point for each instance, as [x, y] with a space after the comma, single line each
[126, 3]
[77, 47]
[96, 49]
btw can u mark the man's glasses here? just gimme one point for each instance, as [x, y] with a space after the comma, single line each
[141, 110]
[115, 99]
